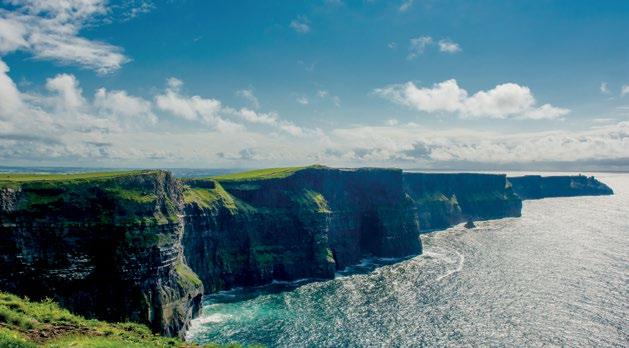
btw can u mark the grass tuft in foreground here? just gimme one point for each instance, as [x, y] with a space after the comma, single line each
[26, 324]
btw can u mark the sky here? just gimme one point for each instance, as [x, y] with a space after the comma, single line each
[483, 85]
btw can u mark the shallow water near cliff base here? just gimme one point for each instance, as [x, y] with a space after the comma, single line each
[557, 276]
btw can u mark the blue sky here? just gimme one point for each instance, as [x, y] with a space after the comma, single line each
[415, 84]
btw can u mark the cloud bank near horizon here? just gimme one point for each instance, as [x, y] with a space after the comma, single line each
[114, 126]
[58, 123]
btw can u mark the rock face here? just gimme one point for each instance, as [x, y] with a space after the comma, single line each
[306, 225]
[104, 247]
[536, 186]
[444, 200]
[242, 232]
[143, 246]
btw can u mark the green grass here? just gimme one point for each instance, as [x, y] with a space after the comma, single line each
[30, 177]
[134, 195]
[27, 324]
[263, 174]
[312, 199]
[12, 339]
[186, 274]
[217, 196]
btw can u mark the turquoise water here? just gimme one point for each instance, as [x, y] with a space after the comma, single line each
[557, 276]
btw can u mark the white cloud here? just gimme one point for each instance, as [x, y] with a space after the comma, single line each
[604, 88]
[448, 46]
[61, 126]
[418, 46]
[50, 30]
[502, 101]
[119, 103]
[12, 35]
[248, 95]
[406, 5]
[301, 24]
[624, 90]
[213, 113]
[10, 98]
[190, 108]
[413, 144]
[256, 117]
[67, 88]
[392, 45]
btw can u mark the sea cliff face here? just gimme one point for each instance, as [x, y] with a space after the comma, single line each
[444, 200]
[536, 186]
[104, 247]
[304, 225]
[143, 246]
[250, 231]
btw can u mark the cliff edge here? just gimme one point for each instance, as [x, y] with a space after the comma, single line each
[104, 245]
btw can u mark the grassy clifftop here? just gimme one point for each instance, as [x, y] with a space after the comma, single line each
[26, 324]
[137, 195]
[16, 179]
[265, 174]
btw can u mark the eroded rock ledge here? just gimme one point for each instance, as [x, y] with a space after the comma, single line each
[143, 246]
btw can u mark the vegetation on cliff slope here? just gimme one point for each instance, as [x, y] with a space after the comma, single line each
[26, 324]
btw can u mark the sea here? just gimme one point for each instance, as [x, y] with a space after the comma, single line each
[557, 276]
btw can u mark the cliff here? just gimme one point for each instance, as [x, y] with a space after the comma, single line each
[103, 245]
[286, 224]
[444, 200]
[304, 223]
[536, 186]
[143, 246]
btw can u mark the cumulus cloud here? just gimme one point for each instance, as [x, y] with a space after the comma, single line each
[61, 122]
[604, 88]
[301, 24]
[67, 89]
[214, 114]
[195, 108]
[624, 90]
[448, 46]
[504, 100]
[50, 30]
[120, 103]
[10, 98]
